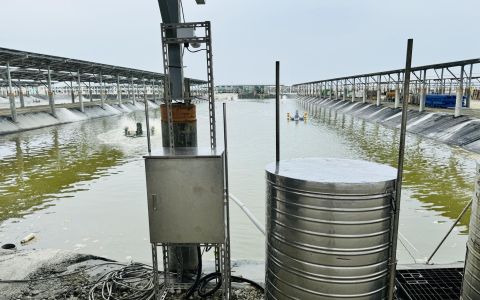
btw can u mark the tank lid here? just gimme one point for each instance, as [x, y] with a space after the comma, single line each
[332, 170]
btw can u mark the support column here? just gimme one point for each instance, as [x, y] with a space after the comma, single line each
[119, 91]
[397, 93]
[379, 90]
[82, 109]
[442, 83]
[353, 90]
[11, 96]
[134, 90]
[72, 92]
[459, 100]
[469, 87]
[331, 90]
[345, 90]
[423, 92]
[153, 91]
[102, 100]
[20, 94]
[90, 91]
[51, 101]
[365, 91]
[336, 90]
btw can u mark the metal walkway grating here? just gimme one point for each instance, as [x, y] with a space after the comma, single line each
[429, 284]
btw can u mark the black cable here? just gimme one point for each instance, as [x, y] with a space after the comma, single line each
[246, 280]
[194, 287]
[195, 51]
[202, 286]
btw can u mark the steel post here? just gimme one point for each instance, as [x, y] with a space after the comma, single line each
[72, 92]
[119, 91]
[353, 90]
[82, 109]
[469, 87]
[90, 95]
[365, 91]
[11, 95]
[277, 110]
[398, 189]
[345, 90]
[51, 100]
[336, 90]
[20, 94]
[102, 99]
[133, 91]
[153, 91]
[379, 90]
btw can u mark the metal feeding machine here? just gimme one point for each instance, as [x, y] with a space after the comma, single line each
[187, 187]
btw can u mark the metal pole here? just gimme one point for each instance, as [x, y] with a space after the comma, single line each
[102, 101]
[469, 86]
[442, 83]
[153, 91]
[119, 91]
[80, 92]
[353, 90]
[450, 230]
[11, 96]
[133, 91]
[379, 90]
[20, 94]
[398, 191]
[277, 111]
[51, 101]
[227, 199]
[90, 95]
[147, 121]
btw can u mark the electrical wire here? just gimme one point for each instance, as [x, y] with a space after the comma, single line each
[58, 276]
[132, 282]
[201, 283]
[195, 51]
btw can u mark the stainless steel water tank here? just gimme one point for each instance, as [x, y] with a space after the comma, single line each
[328, 229]
[471, 277]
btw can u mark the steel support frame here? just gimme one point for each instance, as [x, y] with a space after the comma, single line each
[222, 250]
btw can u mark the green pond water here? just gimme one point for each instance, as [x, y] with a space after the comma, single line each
[81, 186]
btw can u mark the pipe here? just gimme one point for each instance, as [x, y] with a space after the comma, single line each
[398, 190]
[450, 230]
[249, 214]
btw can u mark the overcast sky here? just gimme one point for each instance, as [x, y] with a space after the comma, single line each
[313, 39]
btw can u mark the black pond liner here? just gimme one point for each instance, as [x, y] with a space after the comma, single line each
[431, 284]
